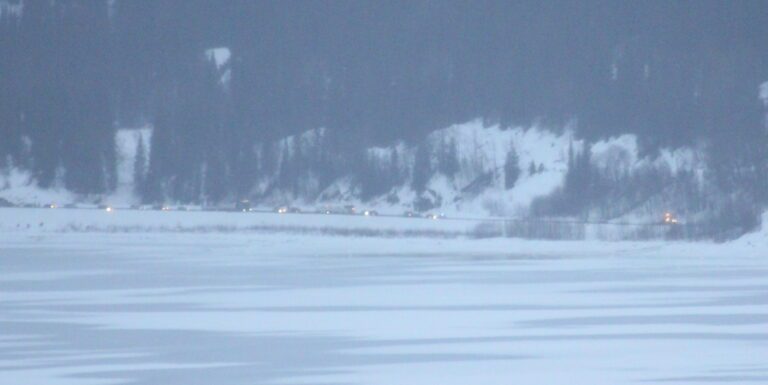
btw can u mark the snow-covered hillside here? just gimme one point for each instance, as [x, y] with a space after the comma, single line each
[477, 184]
[478, 187]
[19, 186]
[474, 187]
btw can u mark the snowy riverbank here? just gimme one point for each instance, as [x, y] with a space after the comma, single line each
[380, 233]
[24, 220]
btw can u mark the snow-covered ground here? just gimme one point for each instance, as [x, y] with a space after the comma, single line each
[176, 307]
[477, 189]
[41, 221]
[19, 222]
[478, 186]
[20, 187]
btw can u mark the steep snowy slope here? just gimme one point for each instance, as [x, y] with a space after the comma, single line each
[476, 186]
[474, 182]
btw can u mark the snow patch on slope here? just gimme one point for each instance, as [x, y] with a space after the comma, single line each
[482, 152]
[19, 187]
[126, 143]
[618, 154]
[11, 8]
[220, 57]
[764, 93]
[621, 155]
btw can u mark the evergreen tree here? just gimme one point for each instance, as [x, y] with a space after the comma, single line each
[448, 162]
[215, 186]
[140, 168]
[511, 168]
[285, 167]
[373, 179]
[298, 166]
[64, 95]
[10, 133]
[571, 173]
[422, 167]
[161, 159]
[42, 102]
[580, 182]
[394, 167]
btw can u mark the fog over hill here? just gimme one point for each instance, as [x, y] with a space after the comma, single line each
[605, 110]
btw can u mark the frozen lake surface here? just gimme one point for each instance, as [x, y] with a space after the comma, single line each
[180, 309]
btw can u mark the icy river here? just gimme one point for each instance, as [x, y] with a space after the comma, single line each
[182, 309]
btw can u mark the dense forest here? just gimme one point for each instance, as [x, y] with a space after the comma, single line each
[371, 74]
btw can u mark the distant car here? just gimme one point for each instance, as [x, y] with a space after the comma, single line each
[434, 216]
[243, 205]
[50, 206]
[670, 219]
[161, 208]
[6, 203]
[106, 208]
[332, 210]
[409, 214]
[371, 213]
[287, 209]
